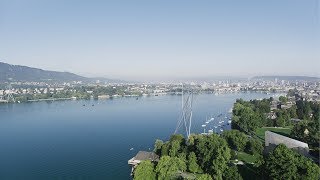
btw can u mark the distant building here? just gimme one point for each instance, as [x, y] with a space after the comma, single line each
[274, 139]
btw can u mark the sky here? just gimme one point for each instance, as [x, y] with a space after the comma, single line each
[156, 39]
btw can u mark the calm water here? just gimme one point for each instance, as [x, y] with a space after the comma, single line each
[66, 140]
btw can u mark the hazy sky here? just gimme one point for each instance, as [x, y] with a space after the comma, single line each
[148, 39]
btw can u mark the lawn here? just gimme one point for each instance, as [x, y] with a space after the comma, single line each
[246, 158]
[282, 131]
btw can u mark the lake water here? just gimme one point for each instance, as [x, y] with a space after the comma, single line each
[66, 140]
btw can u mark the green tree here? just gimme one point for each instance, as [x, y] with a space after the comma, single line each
[168, 167]
[213, 154]
[144, 171]
[192, 163]
[254, 146]
[204, 177]
[280, 122]
[283, 99]
[307, 169]
[236, 140]
[158, 146]
[165, 149]
[280, 163]
[284, 163]
[231, 173]
[175, 147]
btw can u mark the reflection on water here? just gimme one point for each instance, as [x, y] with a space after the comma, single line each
[92, 139]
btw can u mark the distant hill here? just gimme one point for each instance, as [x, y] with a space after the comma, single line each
[10, 72]
[287, 78]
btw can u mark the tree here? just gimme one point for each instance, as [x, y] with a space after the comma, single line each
[145, 171]
[175, 147]
[280, 122]
[165, 149]
[254, 146]
[213, 153]
[193, 167]
[168, 167]
[231, 173]
[236, 140]
[280, 163]
[307, 169]
[283, 163]
[158, 146]
[204, 177]
[283, 99]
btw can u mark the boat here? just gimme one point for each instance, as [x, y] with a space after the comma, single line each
[221, 130]
[203, 125]
[229, 121]
[131, 149]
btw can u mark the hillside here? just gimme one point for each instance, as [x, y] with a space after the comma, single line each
[10, 72]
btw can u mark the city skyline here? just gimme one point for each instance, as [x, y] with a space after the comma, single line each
[181, 39]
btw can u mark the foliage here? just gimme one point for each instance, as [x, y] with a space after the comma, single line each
[158, 146]
[192, 163]
[283, 163]
[204, 177]
[283, 99]
[177, 145]
[144, 171]
[169, 166]
[250, 115]
[213, 154]
[283, 118]
[236, 140]
[231, 173]
[308, 132]
[254, 146]
[280, 163]
[233, 155]
[165, 149]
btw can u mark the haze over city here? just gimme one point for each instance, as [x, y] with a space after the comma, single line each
[136, 40]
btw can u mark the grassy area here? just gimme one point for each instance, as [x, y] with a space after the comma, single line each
[246, 158]
[283, 131]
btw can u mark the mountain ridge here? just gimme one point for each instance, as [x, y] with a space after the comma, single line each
[9, 72]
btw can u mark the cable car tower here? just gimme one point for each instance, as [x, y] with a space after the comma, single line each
[185, 119]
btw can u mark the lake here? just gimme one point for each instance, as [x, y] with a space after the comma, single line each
[66, 140]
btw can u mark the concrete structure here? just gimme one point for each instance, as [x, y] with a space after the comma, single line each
[143, 155]
[274, 139]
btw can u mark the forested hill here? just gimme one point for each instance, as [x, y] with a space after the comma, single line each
[10, 72]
